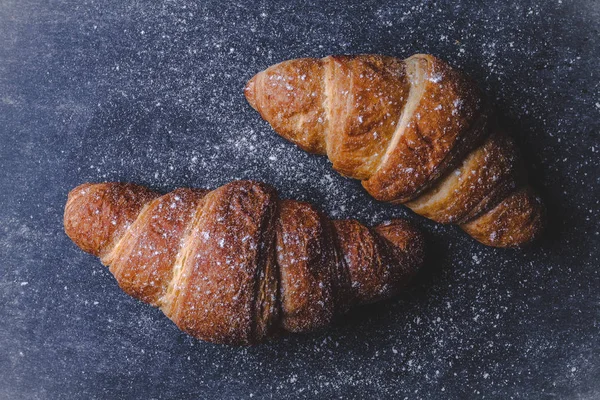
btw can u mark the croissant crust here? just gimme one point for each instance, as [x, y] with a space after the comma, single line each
[414, 131]
[237, 264]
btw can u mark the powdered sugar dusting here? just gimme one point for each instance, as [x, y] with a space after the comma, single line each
[86, 96]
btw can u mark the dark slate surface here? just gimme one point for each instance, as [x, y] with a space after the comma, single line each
[151, 92]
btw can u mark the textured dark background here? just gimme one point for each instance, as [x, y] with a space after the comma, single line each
[151, 92]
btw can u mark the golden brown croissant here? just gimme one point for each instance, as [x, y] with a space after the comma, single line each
[236, 264]
[414, 131]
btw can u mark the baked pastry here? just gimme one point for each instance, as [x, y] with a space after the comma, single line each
[236, 265]
[414, 131]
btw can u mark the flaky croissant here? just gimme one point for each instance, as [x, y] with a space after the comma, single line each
[236, 264]
[414, 131]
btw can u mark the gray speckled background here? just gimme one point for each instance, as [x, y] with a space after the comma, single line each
[151, 92]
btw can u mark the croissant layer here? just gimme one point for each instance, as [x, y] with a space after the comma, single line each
[414, 131]
[236, 264]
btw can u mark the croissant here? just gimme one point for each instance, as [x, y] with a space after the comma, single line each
[237, 265]
[414, 131]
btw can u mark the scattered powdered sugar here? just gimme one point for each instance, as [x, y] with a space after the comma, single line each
[436, 78]
[153, 94]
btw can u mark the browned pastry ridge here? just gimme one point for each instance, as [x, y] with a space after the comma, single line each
[236, 264]
[414, 131]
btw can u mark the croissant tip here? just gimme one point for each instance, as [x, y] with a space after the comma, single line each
[516, 222]
[249, 91]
